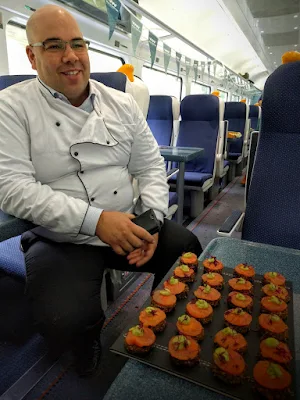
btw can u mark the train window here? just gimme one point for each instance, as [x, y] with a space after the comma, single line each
[103, 62]
[199, 88]
[16, 39]
[223, 95]
[234, 97]
[18, 63]
[159, 82]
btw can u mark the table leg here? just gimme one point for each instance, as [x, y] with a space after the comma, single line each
[180, 192]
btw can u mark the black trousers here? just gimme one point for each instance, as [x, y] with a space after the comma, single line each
[64, 279]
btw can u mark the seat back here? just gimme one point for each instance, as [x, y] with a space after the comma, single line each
[236, 113]
[115, 80]
[252, 153]
[254, 115]
[272, 213]
[163, 111]
[140, 92]
[119, 81]
[199, 127]
[8, 80]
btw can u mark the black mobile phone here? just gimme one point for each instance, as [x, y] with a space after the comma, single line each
[148, 221]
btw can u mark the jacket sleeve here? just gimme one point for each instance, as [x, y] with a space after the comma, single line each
[147, 166]
[20, 194]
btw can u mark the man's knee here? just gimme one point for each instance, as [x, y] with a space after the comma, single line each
[192, 243]
[180, 238]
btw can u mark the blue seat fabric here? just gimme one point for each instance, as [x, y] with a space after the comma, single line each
[234, 156]
[253, 115]
[11, 258]
[160, 119]
[115, 80]
[235, 113]
[8, 80]
[272, 213]
[199, 127]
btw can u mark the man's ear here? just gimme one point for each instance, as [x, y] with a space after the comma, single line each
[31, 57]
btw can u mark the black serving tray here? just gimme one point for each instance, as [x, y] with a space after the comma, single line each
[202, 374]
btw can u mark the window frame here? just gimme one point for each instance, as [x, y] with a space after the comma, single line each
[235, 95]
[223, 91]
[91, 48]
[202, 84]
[168, 73]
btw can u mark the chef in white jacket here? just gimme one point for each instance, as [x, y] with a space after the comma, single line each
[69, 148]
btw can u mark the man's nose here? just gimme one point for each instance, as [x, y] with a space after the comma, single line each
[69, 54]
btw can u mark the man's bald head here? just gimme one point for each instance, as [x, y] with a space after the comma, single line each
[43, 16]
[66, 68]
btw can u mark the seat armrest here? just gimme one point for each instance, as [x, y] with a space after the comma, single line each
[172, 172]
[231, 223]
[11, 226]
[225, 138]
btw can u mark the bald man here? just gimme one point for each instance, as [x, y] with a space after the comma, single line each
[69, 147]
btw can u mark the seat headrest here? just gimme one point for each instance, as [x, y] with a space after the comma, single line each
[254, 111]
[115, 80]
[160, 108]
[8, 80]
[175, 108]
[235, 110]
[140, 92]
[200, 107]
[281, 111]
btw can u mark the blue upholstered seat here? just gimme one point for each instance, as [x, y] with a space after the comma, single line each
[160, 119]
[254, 116]
[272, 213]
[226, 163]
[199, 127]
[115, 80]
[236, 115]
[8, 80]
[198, 178]
[11, 258]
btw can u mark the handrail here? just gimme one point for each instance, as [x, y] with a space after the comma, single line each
[136, 7]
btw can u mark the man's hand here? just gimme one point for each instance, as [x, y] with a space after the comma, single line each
[142, 255]
[116, 229]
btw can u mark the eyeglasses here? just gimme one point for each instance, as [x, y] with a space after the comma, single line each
[58, 46]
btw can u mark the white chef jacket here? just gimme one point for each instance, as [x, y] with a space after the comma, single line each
[61, 166]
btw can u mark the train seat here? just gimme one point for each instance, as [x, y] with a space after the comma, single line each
[12, 259]
[163, 116]
[8, 80]
[163, 113]
[201, 117]
[271, 214]
[115, 80]
[119, 81]
[254, 116]
[236, 113]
